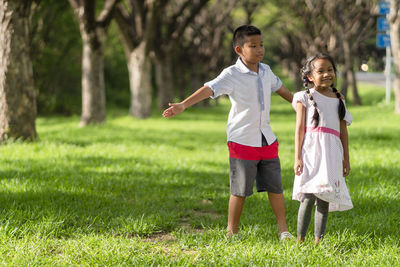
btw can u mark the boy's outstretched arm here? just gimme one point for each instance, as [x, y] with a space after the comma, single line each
[176, 108]
[285, 94]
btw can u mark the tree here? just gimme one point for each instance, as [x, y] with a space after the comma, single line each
[336, 27]
[170, 33]
[56, 47]
[302, 31]
[17, 94]
[206, 47]
[352, 22]
[93, 32]
[394, 19]
[147, 29]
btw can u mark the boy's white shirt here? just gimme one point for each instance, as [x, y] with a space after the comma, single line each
[246, 120]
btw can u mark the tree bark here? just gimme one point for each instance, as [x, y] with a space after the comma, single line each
[93, 32]
[132, 26]
[17, 94]
[164, 81]
[394, 18]
[351, 77]
[139, 66]
[93, 89]
[348, 71]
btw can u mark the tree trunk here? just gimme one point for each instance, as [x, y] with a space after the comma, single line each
[348, 71]
[394, 19]
[139, 66]
[93, 32]
[295, 73]
[93, 89]
[17, 94]
[345, 83]
[165, 83]
[351, 77]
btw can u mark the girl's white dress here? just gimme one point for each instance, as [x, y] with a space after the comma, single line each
[322, 153]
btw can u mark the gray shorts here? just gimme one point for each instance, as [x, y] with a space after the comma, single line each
[267, 174]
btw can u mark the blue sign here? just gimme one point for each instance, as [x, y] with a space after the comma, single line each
[382, 40]
[384, 7]
[383, 24]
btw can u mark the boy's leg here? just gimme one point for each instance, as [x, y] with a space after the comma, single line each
[269, 179]
[236, 204]
[241, 176]
[304, 215]
[278, 207]
[321, 219]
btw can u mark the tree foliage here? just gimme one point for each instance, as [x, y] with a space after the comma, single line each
[189, 41]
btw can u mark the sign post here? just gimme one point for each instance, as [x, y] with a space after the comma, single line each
[383, 41]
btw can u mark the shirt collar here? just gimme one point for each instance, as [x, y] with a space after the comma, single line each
[244, 69]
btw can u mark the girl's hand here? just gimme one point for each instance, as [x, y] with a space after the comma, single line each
[174, 109]
[298, 167]
[346, 167]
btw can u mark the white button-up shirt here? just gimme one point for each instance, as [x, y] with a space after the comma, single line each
[250, 95]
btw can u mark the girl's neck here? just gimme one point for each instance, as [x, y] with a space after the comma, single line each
[323, 89]
[326, 91]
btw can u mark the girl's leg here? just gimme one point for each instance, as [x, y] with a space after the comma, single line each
[304, 216]
[321, 219]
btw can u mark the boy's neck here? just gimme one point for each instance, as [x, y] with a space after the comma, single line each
[250, 66]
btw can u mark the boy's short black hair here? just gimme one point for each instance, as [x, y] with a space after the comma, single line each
[241, 32]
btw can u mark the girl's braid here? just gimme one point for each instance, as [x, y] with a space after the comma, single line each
[315, 118]
[305, 71]
[341, 108]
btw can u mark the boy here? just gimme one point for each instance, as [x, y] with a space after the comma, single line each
[253, 148]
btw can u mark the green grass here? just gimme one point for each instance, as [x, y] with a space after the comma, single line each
[155, 192]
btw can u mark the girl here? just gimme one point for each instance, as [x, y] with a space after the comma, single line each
[321, 147]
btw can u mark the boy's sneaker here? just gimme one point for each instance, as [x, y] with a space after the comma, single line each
[285, 236]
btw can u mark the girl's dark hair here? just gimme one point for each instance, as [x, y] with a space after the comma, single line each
[307, 70]
[241, 32]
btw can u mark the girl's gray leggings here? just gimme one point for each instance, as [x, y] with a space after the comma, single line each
[304, 216]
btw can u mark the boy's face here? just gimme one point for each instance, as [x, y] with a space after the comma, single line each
[252, 50]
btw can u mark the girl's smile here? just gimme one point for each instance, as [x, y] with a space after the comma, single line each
[323, 74]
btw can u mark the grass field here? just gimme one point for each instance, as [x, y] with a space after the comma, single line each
[155, 192]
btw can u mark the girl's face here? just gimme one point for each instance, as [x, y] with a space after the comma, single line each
[323, 73]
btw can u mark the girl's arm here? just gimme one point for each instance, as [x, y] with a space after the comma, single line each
[299, 137]
[345, 143]
[176, 108]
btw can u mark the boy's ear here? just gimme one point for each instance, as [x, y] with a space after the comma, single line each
[238, 49]
[310, 78]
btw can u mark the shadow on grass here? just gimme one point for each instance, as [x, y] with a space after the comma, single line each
[136, 135]
[376, 199]
[82, 196]
[71, 198]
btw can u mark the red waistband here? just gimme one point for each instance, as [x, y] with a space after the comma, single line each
[323, 130]
[239, 151]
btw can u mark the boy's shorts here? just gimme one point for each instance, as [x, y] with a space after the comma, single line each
[254, 163]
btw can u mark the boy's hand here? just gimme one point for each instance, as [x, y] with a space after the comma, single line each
[174, 109]
[346, 167]
[298, 167]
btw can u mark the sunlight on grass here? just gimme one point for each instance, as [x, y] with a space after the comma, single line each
[142, 192]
